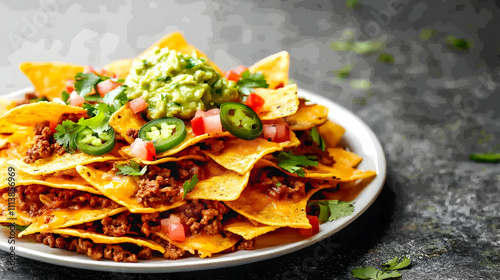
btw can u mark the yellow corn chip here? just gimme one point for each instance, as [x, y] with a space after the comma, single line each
[256, 205]
[49, 78]
[101, 238]
[68, 217]
[278, 103]
[120, 68]
[308, 116]
[125, 118]
[121, 189]
[15, 144]
[246, 229]
[57, 162]
[331, 133]
[275, 68]
[205, 245]
[241, 155]
[347, 191]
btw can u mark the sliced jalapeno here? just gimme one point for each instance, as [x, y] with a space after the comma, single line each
[95, 144]
[165, 133]
[240, 120]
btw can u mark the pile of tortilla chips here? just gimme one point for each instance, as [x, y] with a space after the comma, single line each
[253, 212]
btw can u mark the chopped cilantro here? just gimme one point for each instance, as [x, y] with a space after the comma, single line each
[116, 98]
[386, 58]
[84, 83]
[293, 163]
[344, 72]
[66, 134]
[100, 122]
[38, 99]
[397, 263]
[488, 157]
[189, 185]
[65, 96]
[460, 44]
[192, 62]
[249, 81]
[317, 138]
[331, 210]
[373, 273]
[132, 169]
[278, 184]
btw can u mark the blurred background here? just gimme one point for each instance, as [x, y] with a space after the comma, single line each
[424, 75]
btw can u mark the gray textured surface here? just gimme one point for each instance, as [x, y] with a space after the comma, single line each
[430, 109]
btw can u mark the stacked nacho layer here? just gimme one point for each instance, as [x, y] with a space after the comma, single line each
[80, 202]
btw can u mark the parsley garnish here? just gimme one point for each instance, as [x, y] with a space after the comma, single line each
[397, 263]
[189, 185]
[293, 163]
[488, 157]
[317, 138]
[331, 210]
[373, 273]
[131, 169]
[84, 83]
[248, 82]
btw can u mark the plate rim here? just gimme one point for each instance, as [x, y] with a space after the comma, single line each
[227, 260]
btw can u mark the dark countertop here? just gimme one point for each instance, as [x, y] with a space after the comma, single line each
[430, 109]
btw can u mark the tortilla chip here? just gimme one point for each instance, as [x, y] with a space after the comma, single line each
[190, 140]
[256, 205]
[278, 103]
[347, 191]
[15, 144]
[176, 41]
[331, 132]
[57, 162]
[241, 155]
[63, 218]
[121, 189]
[69, 180]
[275, 68]
[205, 245]
[224, 185]
[5, 105]
[344, 157]
[308, 116]
[49, 78]
[101, 238]
[120, 68]
[124, 119]
[168, 159]
[246, 229]
[31, 114]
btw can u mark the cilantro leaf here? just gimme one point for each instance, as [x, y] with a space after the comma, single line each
[192, 62]
[189, 185]
[131, 169]
[293, 163]
[397, 263]
[84, 83]
[317, 138]
[373, 273]
[249, 81]
[20, 228]
[331, 210]
[66, 134]
[116, 98]
[65, 96]
[100, 122]
[488, 157]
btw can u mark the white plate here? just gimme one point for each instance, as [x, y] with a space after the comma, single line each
[358, 137]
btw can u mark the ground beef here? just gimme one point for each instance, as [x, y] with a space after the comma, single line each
[117, 253]
[172, 252]
[202, 216]
[213, 145]
[28, 199]
[118, 226]
[132, 132]
[242, 245]
[27, 99]
[310, 148]
[150, 223]
[163, 185]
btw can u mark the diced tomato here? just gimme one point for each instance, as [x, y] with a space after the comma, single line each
[255, 102]
[276, 131]
[143, 149]
[239, 69]
[89, 69]
[206, 122]
[70, 86]
[313, 220]
[75, 99]
[173, 227]
[137, 105]
[280, 85]
[52, 126]
[232, 76]
[106, 86]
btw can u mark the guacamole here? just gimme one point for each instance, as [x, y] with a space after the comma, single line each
[177, 85]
